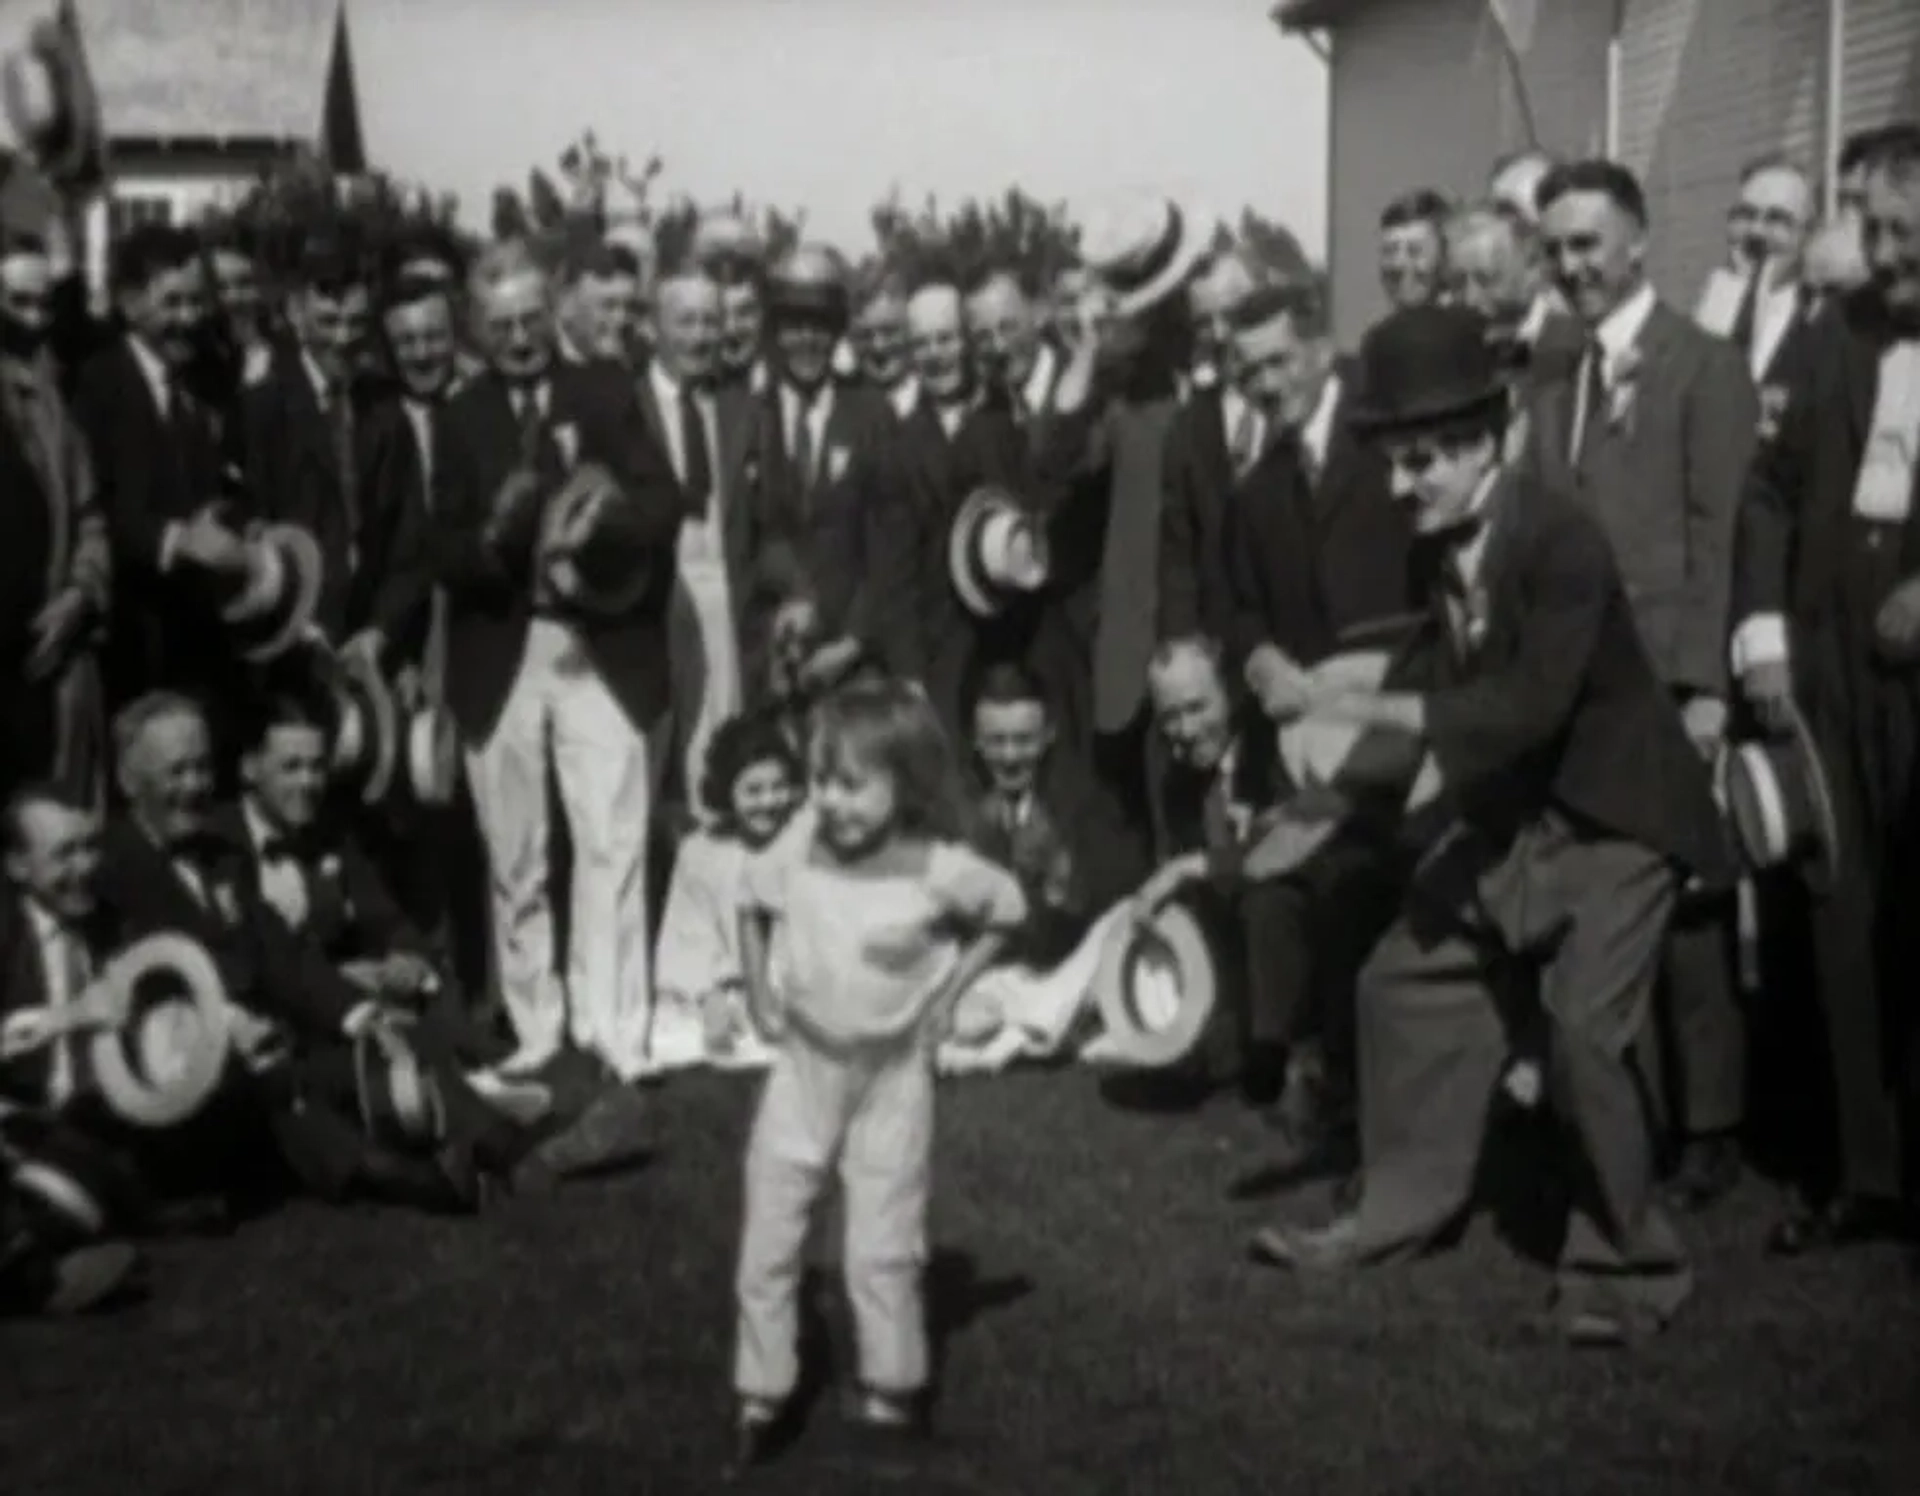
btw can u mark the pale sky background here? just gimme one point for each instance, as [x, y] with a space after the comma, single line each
[826, 104]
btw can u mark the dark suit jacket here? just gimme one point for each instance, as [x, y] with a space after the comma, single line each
[1306, 563]
[351, 916]
[1665, 484]
[1193, 549]
[374, 548]
[1558, 706]
[1796, 512]
[265, 967]
[1189, 809]
[1069, 828]
[490, 588]
[152, 473]
[23, 985]
[824, 520]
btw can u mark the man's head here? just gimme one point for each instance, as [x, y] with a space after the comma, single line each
[600, 307]
[513, 310]
[1221, 283]
[806, 314]
[161, 288]
[332, 309]
[742, 322]
[1769, 222]
[686, 325]
[164, 757]
[1005, 329]
[937, 333]
[1515, 181]
[418, 319]
[1012, 729]
[1593, 227]
[1413, 247]
[236, 285]
[879, 332]
[26, 295]
[284, 764]
[1493, 261]
[1890, 228]
[1857, 154]
[1187, 685]
[53, 851]
[1280, 348]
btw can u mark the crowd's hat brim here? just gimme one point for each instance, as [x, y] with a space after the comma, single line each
[1156, 988]
[1143, 247]
[367, 727]
[979, 593]
[400, 1101]
[1779, 804]
[162, 1065]
[433, 756]
[287, 617]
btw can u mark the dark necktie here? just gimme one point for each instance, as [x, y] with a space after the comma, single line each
[1593, 397]
[340, 416]
[1744, 320]
[693, 446]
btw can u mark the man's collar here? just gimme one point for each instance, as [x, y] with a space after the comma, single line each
[667, 388]
[150, 364]
[1535, 321]
[904, 395]
[1317, 434]
[1036, 392]
[323, 390]
[46, 924]
[1620, 329]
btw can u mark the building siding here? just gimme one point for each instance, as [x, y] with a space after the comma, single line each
[1881, 75]
[1422, 97]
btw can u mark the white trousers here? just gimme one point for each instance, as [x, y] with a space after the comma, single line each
[560, 711]
[703, 581]
[873, 1114]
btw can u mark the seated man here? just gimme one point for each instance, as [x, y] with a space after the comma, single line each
[1572, 809]
[1304, 934]
[294, 1018]
[313, 873]
[1052, 832]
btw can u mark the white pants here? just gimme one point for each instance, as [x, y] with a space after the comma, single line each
[559, 706]
[703, 581]
[873, 1113]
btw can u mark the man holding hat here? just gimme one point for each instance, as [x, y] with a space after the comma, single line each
[1573, 808]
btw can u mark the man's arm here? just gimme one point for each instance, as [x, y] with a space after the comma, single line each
[1719, 422]
[1180, 536]
[469, 551]
[1768, 518]
[396, 486]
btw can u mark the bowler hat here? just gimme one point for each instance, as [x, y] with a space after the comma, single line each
[1426, 366]
[1155, 987]
[1779, 804]
[809, 280]
[158, 1067]
[995, 552]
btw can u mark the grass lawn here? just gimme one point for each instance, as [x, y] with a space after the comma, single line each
[1102, 1332]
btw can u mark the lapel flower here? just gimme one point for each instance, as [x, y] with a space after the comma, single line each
[1622, 376]
[566, 437]
[1773, 406]
[330, 866]
[838, 459]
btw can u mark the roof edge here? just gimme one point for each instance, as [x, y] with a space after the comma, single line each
[1311, 15]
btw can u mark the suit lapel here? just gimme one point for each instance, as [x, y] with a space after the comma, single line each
[1861, 373]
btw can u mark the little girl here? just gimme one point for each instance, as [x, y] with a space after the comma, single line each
[752, 781]
[859, 928]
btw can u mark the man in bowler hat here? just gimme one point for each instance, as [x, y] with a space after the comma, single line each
[1572, 810]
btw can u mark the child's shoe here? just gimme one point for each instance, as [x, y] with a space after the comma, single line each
[890, 1415]
[755, 1420]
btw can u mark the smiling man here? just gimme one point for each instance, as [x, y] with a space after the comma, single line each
[1577, 805]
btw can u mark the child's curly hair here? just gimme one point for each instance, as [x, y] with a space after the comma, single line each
[890, 725]
[737, 745]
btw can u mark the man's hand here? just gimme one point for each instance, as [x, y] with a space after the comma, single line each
[210, 544]
[104, 1005]
[1282, 688]
[1898, 623]
[1166, 881]
[408, 974]
[1768, 687]
[409, 690]
[1705, 718]
[28, 1030]
[57, 631]
[828, 663]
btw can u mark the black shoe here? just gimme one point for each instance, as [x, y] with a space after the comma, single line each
[1709, 1168]
[1847, 1220]
[449, 1183]
[1263, 1074]
[752, 1438]
[614, 1129]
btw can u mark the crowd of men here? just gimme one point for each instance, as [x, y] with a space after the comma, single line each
[1182, 440]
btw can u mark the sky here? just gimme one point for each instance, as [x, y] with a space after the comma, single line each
[829, 104]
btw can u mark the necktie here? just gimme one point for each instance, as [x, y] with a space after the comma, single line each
[1741, 334]
[1593, 400]
[340, 411]
[698, 478]
[433, 654]
[803, 452]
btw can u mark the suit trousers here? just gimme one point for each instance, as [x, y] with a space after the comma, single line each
[872, 1112]
[1585, 914]
[1701, 1044]
[560, 713]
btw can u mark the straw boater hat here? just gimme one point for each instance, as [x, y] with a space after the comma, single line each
[1779, 804]
[588, 567]
[1141, 247]
[52, 107]
[430, 755]
[273, 609]
[157, 1068]
[65, 1185]
[366, 724]
[1155, 988]
[400, 1100]
[996, 551]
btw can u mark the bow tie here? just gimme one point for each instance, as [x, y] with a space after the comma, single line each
[1515, 353]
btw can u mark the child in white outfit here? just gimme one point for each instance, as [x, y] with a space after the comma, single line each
[860, 927]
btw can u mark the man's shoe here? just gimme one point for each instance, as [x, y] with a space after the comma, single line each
[1846, 1221]
[525, 1103]
[1332, 1248]
[1709, 1168]
[614, 1129]
[752, 1437]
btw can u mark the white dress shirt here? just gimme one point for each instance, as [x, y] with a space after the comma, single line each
[283, 882]
[1317, 435]
[666, 394]
[65, 969]
[816, 410]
